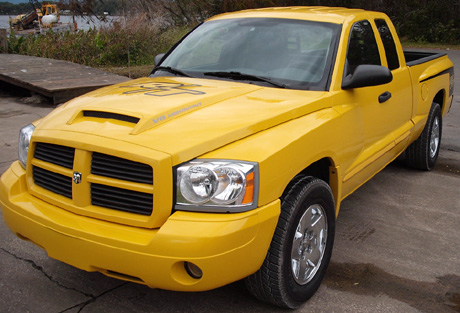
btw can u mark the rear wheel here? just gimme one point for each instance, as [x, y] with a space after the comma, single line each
[423, 153]
[301, 247]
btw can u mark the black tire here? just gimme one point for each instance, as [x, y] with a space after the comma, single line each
[275, 282]
[423, 153]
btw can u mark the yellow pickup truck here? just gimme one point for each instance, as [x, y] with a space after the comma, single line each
[231, 159]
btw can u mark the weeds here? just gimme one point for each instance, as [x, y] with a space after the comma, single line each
[127, 42]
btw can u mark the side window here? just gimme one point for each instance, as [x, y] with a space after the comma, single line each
[388, 43]
[362, 47]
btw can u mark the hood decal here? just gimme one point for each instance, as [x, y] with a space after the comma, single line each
[162, 89]
[157, 120]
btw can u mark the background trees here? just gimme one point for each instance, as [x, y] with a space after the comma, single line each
[435, 21]
[7, 8]
[80, 7]
[148, 27]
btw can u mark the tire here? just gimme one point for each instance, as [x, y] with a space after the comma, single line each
[284, 280]
[423, 153]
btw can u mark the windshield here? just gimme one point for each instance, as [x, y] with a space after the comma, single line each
[290, 53]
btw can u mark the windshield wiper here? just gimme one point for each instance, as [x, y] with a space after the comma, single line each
[172, 70]
[243, 76]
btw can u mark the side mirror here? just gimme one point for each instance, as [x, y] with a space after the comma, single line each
[158, 58]
[367, 75]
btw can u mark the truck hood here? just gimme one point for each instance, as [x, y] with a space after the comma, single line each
[183, 117]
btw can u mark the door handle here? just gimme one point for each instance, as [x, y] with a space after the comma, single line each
[384, 97]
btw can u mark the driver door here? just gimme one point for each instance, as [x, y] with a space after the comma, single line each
[381, 110]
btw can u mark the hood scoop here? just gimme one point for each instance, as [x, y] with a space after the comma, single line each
[110, 115]
[104, 116]
[140, 123]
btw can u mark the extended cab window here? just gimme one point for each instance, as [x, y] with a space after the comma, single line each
[388, 44]
[362, 47]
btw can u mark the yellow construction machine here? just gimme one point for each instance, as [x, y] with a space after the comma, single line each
[43, 15]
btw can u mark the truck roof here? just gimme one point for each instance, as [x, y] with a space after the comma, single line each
[336, 15]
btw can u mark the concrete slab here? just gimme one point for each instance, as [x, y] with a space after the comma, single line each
[58, 80]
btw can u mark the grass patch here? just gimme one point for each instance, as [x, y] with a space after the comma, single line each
[132, 72]
[128, 43]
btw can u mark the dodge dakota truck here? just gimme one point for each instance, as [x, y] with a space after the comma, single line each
[230, 161]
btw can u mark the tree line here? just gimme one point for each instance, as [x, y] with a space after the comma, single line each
[7, 8]
[434, 21]
[77, 7]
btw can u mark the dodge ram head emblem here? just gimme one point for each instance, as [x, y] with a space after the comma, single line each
[76, 177]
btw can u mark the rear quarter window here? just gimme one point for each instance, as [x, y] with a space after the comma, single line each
[388, 44]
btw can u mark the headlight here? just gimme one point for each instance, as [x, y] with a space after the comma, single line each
[24, 141]
[217, 186]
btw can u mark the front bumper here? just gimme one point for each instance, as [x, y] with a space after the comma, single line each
[226, 247]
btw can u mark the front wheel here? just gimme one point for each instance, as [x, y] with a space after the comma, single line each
[423, 153]
[301, 247]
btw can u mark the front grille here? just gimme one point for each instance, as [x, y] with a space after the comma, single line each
[110, 166]
[54, 182]
[121, 199]
[107, 168]
[59, 155]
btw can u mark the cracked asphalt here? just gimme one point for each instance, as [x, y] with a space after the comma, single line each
[397, 245]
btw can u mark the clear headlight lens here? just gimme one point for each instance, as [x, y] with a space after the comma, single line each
[217, 186]
[24, 140]
[198, 184]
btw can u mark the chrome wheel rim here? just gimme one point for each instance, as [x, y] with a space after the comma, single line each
[434, 138]
[309, 244]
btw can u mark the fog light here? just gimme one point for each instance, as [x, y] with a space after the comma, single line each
[193, 270]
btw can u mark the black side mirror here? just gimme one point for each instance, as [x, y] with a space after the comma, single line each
[158, 58]
[367, 75]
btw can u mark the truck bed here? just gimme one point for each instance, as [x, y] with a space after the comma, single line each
[418, 57]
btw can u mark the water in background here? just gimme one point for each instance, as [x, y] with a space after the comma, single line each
[82, 22]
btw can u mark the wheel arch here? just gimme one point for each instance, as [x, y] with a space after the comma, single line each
[324, 169]
[440, 98]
